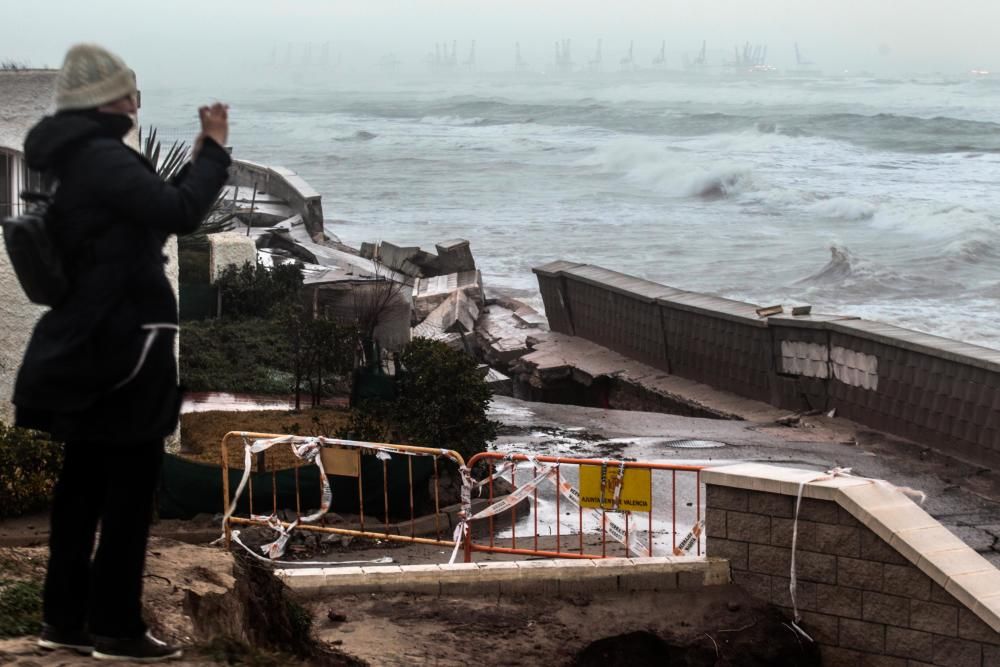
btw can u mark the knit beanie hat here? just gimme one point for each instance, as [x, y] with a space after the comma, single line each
[92, 76]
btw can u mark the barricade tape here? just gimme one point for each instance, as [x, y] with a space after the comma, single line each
[307, 449]
[829, 474]
[384, 560]
[633, 543]
[688, 541]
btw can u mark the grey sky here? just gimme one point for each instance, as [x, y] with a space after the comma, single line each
[176, 40]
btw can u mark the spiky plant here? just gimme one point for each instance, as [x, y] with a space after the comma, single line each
[168, 163]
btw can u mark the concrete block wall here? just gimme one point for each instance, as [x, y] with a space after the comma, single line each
[935, 391]
[716, 341]
[617, 311]
[710, 343]
[864, 599]
[932, 390]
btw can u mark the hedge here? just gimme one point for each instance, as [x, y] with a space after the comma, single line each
[29, 463]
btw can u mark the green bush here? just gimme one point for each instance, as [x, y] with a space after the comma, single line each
[247, 356]
[441, 401]
[29, 465]
[193, 265]
[20, 608]
[256, 291]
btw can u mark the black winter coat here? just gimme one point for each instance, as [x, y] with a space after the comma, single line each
[101, 366]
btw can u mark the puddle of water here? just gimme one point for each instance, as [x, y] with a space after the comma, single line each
[211, 400]
[205, 401]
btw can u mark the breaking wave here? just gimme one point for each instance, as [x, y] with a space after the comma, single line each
[838, 269]
[898, 132]
[670, 172]
[846, 275]
[844, 208]
[360, 135]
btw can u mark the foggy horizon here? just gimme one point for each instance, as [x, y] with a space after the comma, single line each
[188, 42]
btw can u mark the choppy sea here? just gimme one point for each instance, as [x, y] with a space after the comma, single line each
[858, 195]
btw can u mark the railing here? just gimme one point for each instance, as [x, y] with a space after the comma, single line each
[346, 459]
[634, 503]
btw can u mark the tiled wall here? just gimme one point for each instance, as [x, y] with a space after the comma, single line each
[934, 391]
[860, 600]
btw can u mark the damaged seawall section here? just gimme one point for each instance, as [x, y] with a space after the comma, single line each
[934, 391]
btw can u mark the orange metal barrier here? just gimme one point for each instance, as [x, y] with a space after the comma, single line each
[312, 447]
[621, 504]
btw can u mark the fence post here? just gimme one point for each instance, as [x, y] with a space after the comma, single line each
[468, 543]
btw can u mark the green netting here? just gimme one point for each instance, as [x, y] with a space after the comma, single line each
[188, 488]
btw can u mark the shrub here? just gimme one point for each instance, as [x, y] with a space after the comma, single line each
[20, 608]
[256, 291]
[441, 401]
[30, 463]
[238, 356]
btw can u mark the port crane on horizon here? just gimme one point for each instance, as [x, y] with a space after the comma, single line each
[628, 62]
[661, 58]
[700, 61]
[564, 59]
[470, 62]
[594, 65]
[753, 58]
[519, 64]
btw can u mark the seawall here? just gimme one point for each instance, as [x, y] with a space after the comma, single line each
[935, 391]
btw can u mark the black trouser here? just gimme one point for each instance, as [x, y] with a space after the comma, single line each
[114, 485]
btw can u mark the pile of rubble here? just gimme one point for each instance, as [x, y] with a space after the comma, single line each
[449, 305]
[436, 295]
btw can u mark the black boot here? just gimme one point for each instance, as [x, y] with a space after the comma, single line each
[146, 648]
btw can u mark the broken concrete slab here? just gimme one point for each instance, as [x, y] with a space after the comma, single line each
[458, 313]
[455, 256]
[429, 293]
[626, 383]
[503, 335]
[499, 384]
[530, 317]
[398, 257]
[455, 341]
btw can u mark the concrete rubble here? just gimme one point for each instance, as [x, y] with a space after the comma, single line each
[431, 292]
[439, 295]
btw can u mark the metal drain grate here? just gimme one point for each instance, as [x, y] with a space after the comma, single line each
[694, 444]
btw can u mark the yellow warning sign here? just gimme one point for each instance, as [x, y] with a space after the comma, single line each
[632, 494]
[341, 461]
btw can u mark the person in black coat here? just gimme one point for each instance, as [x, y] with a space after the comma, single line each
[99, 372]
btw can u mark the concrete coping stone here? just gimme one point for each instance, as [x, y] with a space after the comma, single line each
[386, 577]
[250, 164]
[300, 186]
[715, 306]
[652, 292]
[553, 269]
[916, 341]
[624, 284]
[817, 321]
[891, 515]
